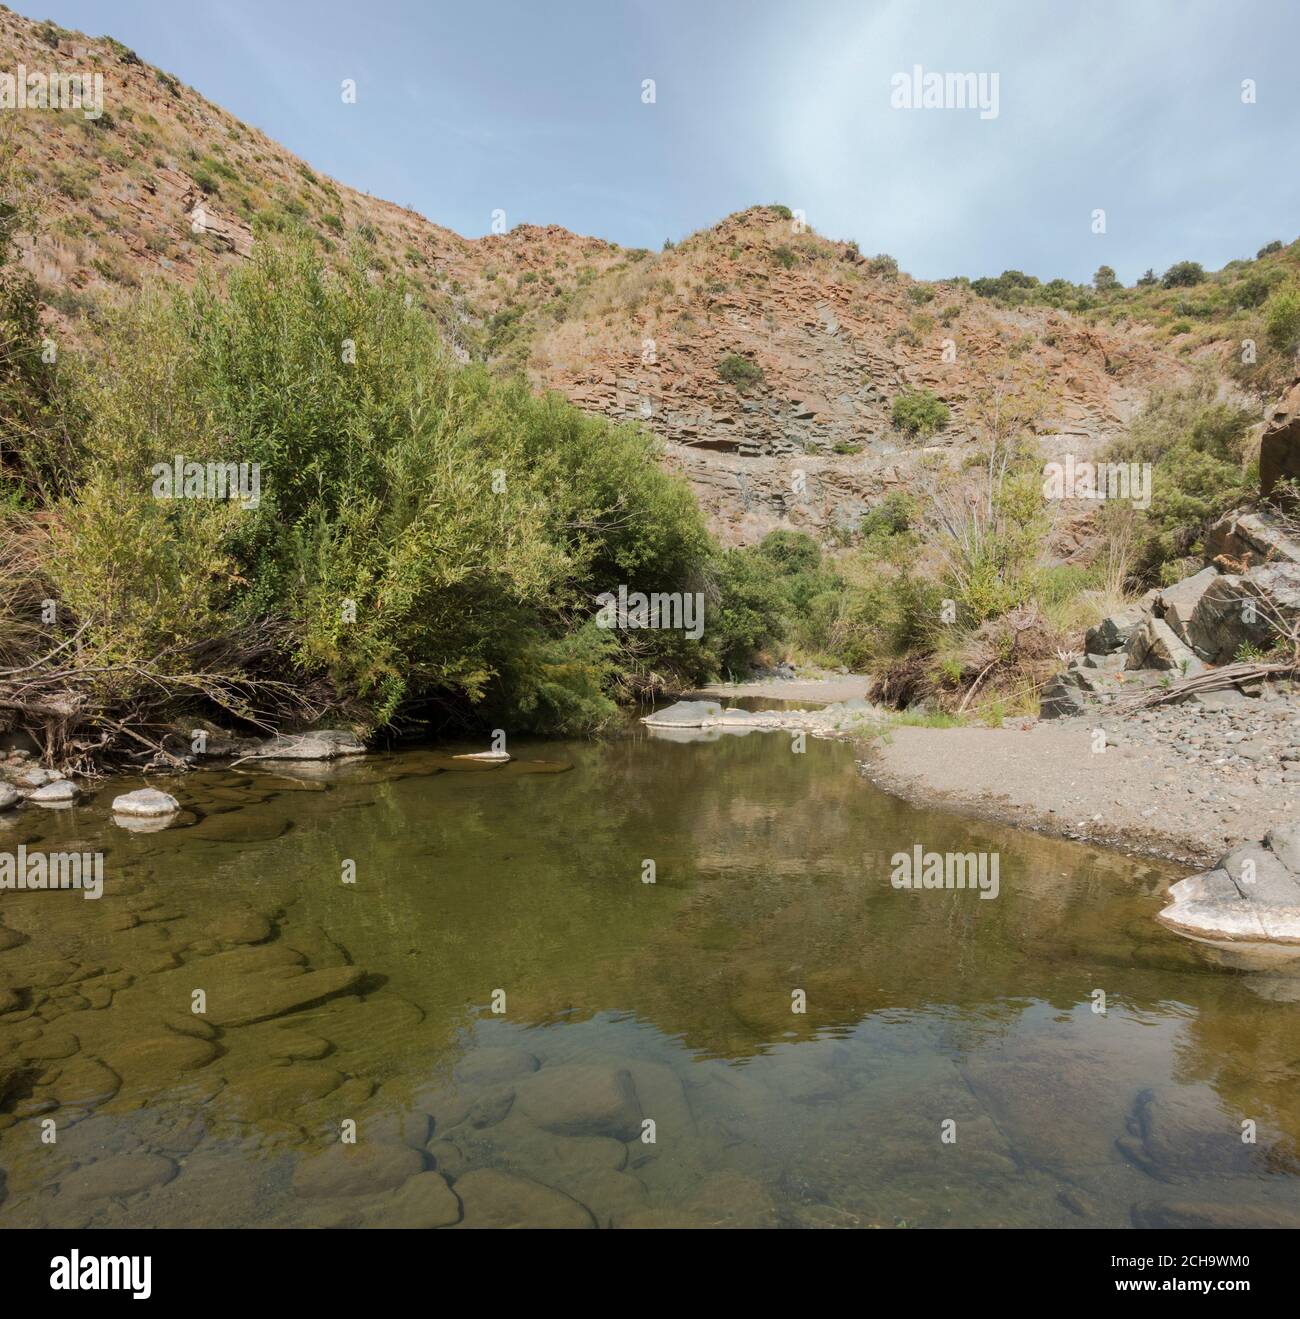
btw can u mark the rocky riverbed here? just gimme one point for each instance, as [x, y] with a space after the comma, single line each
[349, 1065]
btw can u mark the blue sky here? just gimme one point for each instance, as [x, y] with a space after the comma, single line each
[1130, 106]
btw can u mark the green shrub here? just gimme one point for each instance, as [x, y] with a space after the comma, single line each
[919, 413]
[739, 372]
[893, 515]
[1282, 320]
[379, 488]
[1196, 445]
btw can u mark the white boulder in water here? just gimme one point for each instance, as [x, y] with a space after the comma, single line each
[145, 802]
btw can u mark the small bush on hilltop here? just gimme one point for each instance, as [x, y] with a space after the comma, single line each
[1183, 274]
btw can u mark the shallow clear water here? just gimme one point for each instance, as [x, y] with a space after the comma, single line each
[949, 1068]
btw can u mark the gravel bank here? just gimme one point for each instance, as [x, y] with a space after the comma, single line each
[1184, 782]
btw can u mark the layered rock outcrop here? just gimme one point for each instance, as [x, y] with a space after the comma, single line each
[1211, 618]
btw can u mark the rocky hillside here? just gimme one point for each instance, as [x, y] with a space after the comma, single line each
[836, 338]
[767, 358]
[164, 183]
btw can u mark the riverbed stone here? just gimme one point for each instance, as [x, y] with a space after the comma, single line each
[321, 744]
[492, 1066]
[1270, 883]
[1284, 843]
[1180, 1132]
[492, 1107]
[1209, 1214]
[685, 714]
[9, 796]
[423, 1201]
[397, 1128]
[145, 802]
[279, 1092]
[97, 1137]
[556, 1160]
[50, 1046]
[62, 792]
[582, 1100]
[491, 1198]
[261, 999]
[296, 1046]
[117, 1176]
[240, 828]
[448, 1158]
[361, 1169]
[143, 1063]
[84, 1083]
[609, 1195]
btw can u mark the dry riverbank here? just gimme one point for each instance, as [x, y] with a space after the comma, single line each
[1182, 782]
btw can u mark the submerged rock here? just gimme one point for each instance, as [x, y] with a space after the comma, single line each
[363, 1169]
[422, 1201]
[120, 1175]
[491, 1198]
[1208, 1214]
[259, 999]
[491, 1066]
[1179, 1132]
[579, 1100]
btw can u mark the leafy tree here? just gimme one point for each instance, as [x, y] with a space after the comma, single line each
[1183, 274]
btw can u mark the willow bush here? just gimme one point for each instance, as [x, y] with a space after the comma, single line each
[425, 533]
